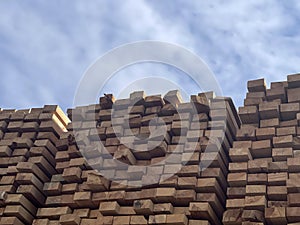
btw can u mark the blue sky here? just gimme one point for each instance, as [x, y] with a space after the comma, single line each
[46, 46]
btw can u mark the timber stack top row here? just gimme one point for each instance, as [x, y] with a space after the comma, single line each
[155, 160]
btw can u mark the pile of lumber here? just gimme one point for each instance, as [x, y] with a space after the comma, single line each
[155, 160]
[181, 181]
[28, 140]
[264, 168]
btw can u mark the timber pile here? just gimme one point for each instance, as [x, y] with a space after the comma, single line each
[142, 194]
[28, 141]
[155, 160]
[264, 177]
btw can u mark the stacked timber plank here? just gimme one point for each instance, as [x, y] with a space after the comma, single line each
[155, 160]
[264, 168]
[181, 181]
[28, 141]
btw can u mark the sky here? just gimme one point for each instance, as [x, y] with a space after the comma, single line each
[47, 46]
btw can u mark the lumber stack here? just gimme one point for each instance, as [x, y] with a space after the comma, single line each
[263, 182]
[28, 141]
[155, 160]
[181, 181]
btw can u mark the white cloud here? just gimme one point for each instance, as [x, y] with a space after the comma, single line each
[46, 47]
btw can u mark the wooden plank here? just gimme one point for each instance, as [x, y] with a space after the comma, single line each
[293, 214]
[274, 167]
[30, 167]
[252, 101]
[277, 193]
[184, 197]
[217, 173]
[15, 199]
[210, 185]
[259, 94]
[177, 219]
[236, 192]
[253, 215]
[240, 154]
[96, 182]
[265, 133]
[283, 141]
[256, 190]
[293, 183]
[293, 80]
[235, 203]
[276, 93]
[69, 219]
[143, 207]
[238, 167]
[256, 85]
[187, 182]
[121, 220]
[19, 212]
[109, 208]
[46, 143]
[32, 193]
[256, 202]
[30, 179]
[157, 219]
[245, 133]
[269, 110]
[52, 188]
[237, 179]
[125, 156]
[165, 195]
[154, 100]
[43, 151]
[232, 217]
[293, 165]
[10, 221]
[213, 200]
[72, 174]
[293, 199]
[53, 213]
[293, 94]
[288, 111]
[257, 178]
[274, 122]
[258, 165]
[289, 130]
[249, 114]
[58, 112]
[277, 179]
[138, 220]
[282, 154]
[202, 210]
[83, 199]
[5, 151]
[261, 149]
[163, 208]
